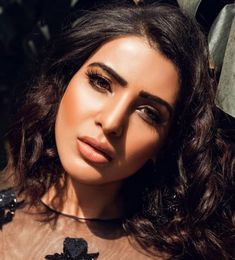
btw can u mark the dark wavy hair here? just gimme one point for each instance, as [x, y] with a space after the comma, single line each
[185, 205]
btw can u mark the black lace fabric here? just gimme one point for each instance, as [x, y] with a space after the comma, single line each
[74, 249]
[8, 206]
[26, 236]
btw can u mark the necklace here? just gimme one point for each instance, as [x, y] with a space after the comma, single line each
[77, 248]
[82, 219]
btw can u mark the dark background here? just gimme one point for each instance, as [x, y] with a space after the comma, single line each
[26, 26]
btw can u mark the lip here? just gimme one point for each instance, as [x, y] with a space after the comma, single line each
[94, 150]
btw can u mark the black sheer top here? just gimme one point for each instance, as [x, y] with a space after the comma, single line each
[24, 235]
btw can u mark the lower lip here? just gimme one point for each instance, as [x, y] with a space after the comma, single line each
[91, 154]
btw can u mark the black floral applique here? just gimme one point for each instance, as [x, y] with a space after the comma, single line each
[8, 205]
[74, 249]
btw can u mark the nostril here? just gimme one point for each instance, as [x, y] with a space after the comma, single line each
[109, 127]
[113, 117]
[117, 132]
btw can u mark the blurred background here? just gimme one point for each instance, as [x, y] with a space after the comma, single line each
[26, 26]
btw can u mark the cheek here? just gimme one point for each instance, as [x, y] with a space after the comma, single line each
[142, 144]
[71, 107]
[144, 141]
[69, 115]
[77, 104]
[144, 149]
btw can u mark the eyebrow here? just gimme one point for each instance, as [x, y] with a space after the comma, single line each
[110, 71]
[123, 82]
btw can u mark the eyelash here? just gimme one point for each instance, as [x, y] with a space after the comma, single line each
[151, 115]
[102, 84]
[99, 82]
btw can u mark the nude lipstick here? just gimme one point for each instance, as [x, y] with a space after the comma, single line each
[94, 151]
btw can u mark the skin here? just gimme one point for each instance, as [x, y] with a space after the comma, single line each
[114, 114]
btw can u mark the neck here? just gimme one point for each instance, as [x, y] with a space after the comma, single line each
[87, 201]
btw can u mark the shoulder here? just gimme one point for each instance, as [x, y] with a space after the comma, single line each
[8, 205]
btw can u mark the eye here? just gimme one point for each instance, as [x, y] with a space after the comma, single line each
[151, 115]
[98, 81]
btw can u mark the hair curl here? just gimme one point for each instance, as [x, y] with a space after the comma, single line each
[197, 222]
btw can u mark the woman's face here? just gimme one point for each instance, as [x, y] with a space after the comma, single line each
[116, 111]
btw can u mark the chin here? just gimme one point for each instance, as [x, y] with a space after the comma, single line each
[84, 174]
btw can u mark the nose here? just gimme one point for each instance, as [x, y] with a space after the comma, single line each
[113, 116]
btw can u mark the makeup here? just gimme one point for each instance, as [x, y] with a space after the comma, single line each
[116, 112]
[91, 153]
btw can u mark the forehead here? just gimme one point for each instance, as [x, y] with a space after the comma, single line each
[142, 66]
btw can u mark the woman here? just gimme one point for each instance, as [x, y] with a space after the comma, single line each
[117, 144]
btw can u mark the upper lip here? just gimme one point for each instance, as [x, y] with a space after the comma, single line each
[102, 147]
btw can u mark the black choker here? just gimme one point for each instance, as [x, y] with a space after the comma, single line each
[111, 220]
